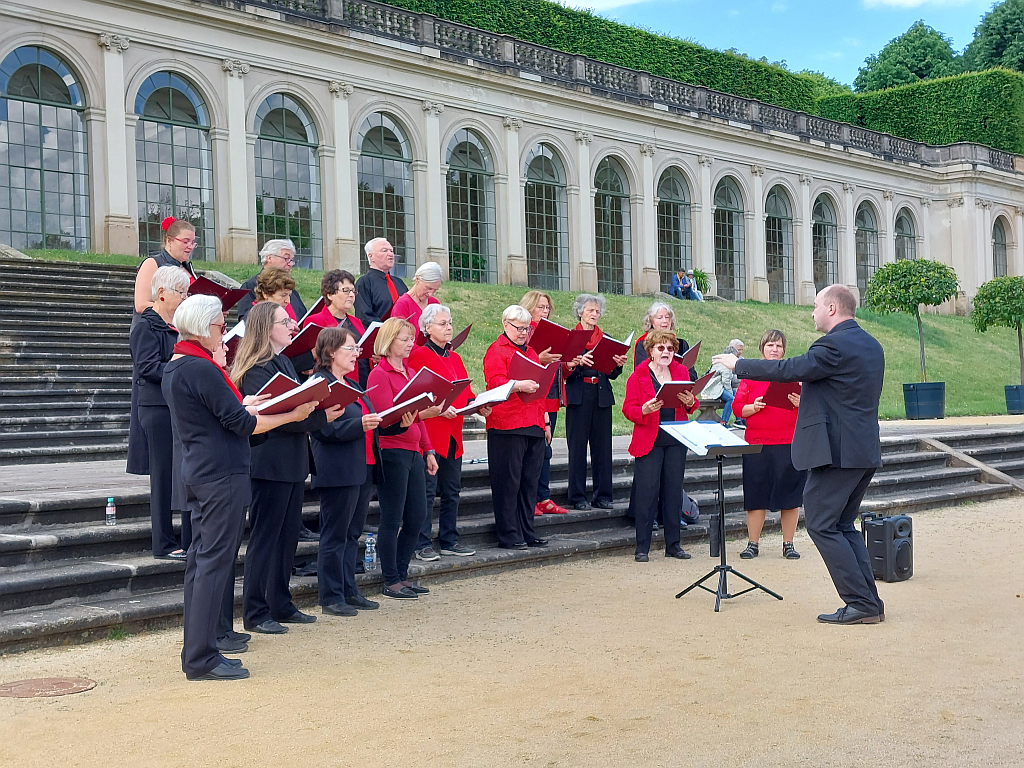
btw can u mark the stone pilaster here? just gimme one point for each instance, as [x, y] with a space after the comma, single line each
[120, 228]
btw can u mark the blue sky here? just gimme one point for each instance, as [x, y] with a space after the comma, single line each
[827, 36]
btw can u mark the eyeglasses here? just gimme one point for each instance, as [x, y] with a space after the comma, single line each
[287, 322]
[524, 329]
[187, 243]
[183, 294]
[663, 348]
[349, 291]
[285, 259]
[222, 326]
[354, 350]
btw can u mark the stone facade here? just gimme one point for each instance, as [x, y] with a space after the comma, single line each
[345, 62]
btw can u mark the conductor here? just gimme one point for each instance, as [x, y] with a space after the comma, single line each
[837, 440]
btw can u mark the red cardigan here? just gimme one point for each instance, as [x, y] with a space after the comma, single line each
[771, 425]
[640, 389]
[440, 429]
[513, 413]
[387, 382]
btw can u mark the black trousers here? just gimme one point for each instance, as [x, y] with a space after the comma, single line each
[544, 484]
[337, 508]
[447, 484]
[589, 424]
[355, 530]
[658, 486]
[156, 423]
[275, 518]
[402, 498]
[219, 508]
[832, 499]
[514, 463]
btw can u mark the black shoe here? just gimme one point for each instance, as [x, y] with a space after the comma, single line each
[537, 543]
[236, 663]
[517, 545]
[242, 637]
[679, 554]
[298, 618]
[181, 556]
[751, 551]
[581, 506]
[362, 603]
[307, 535]
[309, 569]
[604, 505]
[416, 587]
[268, 627]
[227, 645]
[642, 557]
[849, 615]
[339, 609]
[225, 672]
[789, 552]
[402, 593]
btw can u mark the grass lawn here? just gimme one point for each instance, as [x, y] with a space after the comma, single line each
[975, 366]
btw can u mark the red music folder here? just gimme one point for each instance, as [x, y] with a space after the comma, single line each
[460, 338]
[278, 385]
[342, 393]
[523, 368]
[315, 388]
[606, 349]
[367, 339]
[394, 414]
[425, 380]
[303, 342]
[562, 341]
[700, 383]
[778, 393]
[458, 387]
[689, 358]
[233, 338]
[228, 296]
[670, 391]
[317, 306]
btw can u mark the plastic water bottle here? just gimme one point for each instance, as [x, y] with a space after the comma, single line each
[111, 518]
[370, 554]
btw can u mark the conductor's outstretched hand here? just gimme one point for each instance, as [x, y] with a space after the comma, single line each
[729, 361]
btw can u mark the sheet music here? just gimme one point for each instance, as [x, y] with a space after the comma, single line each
[699, 436]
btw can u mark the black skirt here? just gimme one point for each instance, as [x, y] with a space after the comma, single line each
[770, 481]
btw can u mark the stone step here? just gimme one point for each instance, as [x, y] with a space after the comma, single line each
[61, 437]
[73, 289]
[66, 397]
[84, 268]
[56, 301]
[101, 421]
[55, 326]
[79, 381]
[9, 346]
[63, 369]
[47, 358]
[995, 453]
[84, 451]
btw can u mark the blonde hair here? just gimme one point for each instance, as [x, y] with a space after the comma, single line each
[255, 347]
[388, 333]
[531, 299]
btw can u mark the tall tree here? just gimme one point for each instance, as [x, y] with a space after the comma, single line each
[920, 53]
[825, 85]
[998, 39]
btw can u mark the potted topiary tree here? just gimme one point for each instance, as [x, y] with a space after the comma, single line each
[903, 286]
[1000, 303]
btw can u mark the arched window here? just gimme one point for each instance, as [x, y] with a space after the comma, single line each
[385, 190]
[44, 164]
[867, 246]
[778, 246]
[611, 228]
[674, 232]
[729, 264]
[547, 224]
[288, 202]
[906, 240]
[174, 164]
[824, 243]
[998, 248]
[472, 244]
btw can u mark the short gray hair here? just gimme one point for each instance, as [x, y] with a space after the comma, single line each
[654, 309]
[371, 243]
[432, 311]
[515, 312]
[734, 342]
[196, 314]
[587, 298]
[731, 350]
[274, 247]
[430, 272]
[170, 279]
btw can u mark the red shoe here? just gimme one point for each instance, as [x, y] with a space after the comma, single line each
[538, 510]
[550, 508]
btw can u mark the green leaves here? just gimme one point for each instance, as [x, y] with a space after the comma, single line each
[700, 277]
[999, 303]
[903, 286]
[920, 53]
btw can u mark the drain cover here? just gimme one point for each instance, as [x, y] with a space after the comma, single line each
[45, 686]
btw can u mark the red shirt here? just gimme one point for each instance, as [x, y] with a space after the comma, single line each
[440, 429]
[513, 413]
[406, 308]
[639, 390]
[770, 425]
[387, 383]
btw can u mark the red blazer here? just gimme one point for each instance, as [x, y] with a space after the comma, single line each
[387, 382]
[513, 413]
[440, 429]
[640, 389]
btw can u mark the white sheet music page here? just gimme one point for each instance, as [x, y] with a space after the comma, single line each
[698, 436]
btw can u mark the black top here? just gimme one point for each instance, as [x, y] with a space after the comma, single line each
[339, 449]
[373, 299]
[574, 385]
[284, 455]
[164, 259]
[247, 301]
[640, 354]
[212, 426]
[152, 343]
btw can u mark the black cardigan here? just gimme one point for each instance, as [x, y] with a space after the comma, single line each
[152, 344]
[339, 449]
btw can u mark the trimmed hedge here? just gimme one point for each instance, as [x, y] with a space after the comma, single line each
[981, 107]
[581, 32]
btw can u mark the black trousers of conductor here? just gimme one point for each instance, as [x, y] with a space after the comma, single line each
[589, 423]
[658, 486]
[156, 424]
[275, 518]
[403, 504]
[514, 462]
[832, 499]
[218, 511]
[338, 507]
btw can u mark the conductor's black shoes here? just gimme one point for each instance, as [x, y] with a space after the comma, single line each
[225, 672]
[268, 627]
[679, 554]
[298, 618]
[849, 615]
[227, 645]
[339, 609]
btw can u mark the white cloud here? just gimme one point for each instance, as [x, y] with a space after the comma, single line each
[779, 7]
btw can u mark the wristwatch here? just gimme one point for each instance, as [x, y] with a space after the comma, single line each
[431, 452]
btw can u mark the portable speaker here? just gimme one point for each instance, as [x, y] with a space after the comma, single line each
[890, 542]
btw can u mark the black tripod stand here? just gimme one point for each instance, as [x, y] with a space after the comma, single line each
[723, 569]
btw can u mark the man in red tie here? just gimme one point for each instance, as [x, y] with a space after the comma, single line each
[377, 291]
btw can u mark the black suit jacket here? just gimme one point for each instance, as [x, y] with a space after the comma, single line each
[373, 299]
[284, 455]
[842, 376]
[339, 449]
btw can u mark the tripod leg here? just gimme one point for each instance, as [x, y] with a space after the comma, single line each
[721, 591]
[698, 582]
[755, 584]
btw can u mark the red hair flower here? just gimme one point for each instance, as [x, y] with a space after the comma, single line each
[166, 223]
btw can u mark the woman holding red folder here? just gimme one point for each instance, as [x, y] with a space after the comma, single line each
[660, 459]
[770, 481]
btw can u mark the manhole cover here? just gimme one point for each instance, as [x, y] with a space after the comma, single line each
[45, 686]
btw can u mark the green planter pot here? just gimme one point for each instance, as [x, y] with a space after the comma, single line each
[925, 400]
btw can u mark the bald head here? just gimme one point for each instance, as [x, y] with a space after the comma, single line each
[833, 305]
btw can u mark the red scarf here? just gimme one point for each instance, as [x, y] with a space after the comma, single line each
[195, 349]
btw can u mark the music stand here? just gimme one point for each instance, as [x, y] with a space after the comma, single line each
[723, 569]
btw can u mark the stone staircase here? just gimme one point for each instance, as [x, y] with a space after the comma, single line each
[65, 366]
